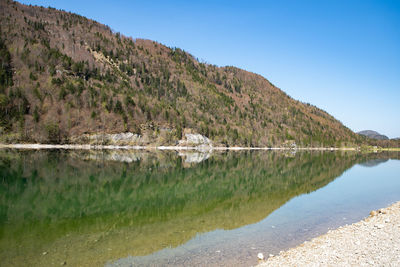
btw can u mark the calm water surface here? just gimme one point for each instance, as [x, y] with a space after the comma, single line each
[133, 208]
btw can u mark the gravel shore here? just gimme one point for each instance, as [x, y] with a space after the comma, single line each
[374, 241]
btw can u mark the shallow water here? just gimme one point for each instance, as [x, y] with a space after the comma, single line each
[94, 208]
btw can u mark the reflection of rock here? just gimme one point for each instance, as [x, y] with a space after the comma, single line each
[194, 157]
[373, 163]
[290, 154]
[195, 140]
[123, 157]
[112, 155]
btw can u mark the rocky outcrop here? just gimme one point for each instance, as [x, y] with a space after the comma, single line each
[195, 140]
[162, 137]
[127, 138]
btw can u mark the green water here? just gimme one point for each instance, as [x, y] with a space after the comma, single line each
[90, 208]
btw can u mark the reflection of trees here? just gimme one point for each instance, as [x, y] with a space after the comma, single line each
[143, 206]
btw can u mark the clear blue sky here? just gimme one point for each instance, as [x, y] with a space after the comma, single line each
[342, 56]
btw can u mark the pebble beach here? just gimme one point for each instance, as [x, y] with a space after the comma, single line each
[374, 241]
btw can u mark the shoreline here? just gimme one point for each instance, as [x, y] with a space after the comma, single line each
[372, 241]
[200, 148]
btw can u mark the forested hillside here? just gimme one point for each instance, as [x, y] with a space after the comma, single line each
[63, 75]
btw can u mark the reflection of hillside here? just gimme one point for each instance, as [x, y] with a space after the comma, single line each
[373, 162]
[94, 211]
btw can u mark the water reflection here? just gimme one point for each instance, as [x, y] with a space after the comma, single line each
[90, 207]
[373, 162]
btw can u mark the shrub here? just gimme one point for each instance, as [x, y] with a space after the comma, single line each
[118, 108]
[33, 77]
[53, 132]
[36, 115]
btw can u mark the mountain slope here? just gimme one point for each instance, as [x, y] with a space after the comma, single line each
[63, 75]
[373, 135]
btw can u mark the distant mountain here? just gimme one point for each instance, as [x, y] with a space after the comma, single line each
[63, 76]
[374, 135]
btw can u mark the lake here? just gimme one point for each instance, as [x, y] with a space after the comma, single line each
[141, 208]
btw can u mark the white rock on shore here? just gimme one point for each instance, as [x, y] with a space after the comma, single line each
[115, 139]
[374, 241]
[195, 139]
